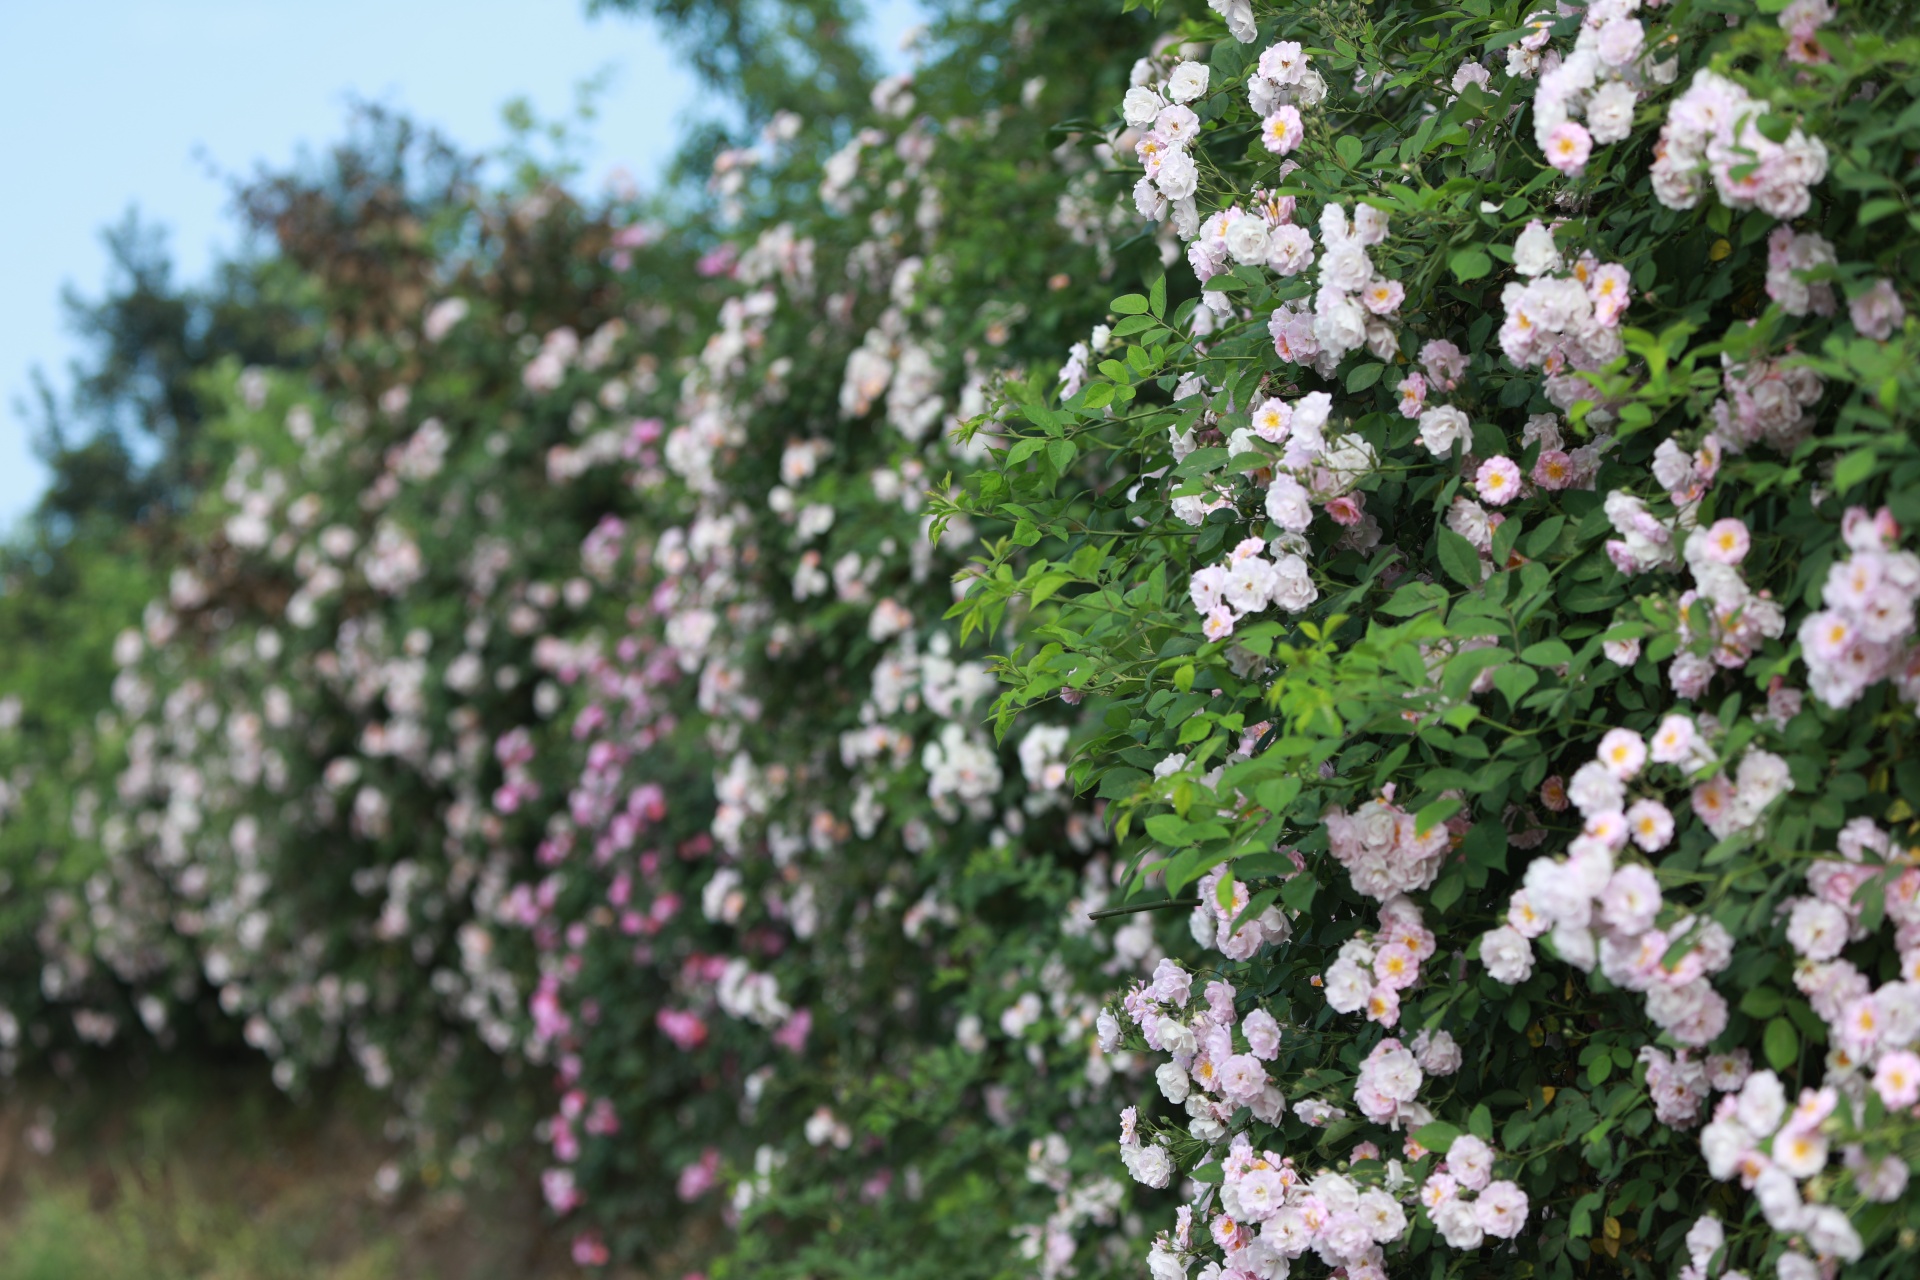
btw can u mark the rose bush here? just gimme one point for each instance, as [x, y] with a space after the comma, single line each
[1501, 626]
[551, 697]
[1467, 583]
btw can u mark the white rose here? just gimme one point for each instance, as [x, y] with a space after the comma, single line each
[1289, 249]
[1292, 587]
[1762, 777]
[1247, 241]
[1178, 177]
[1440, 1055]
[1830, 1232]
[1610, 112]
[1186, 218]
[1238, 15]
[1383, 340]
[1346, 266]
[1147, 200]
[1796, 1266]
[1150, 1165]
[1348, 986]
[1507, 955]
[1534, 253]
[1723, 1143]
[1188, 81]
[1141, 106]
[1173, 1082]
[1339, 324]
[1348, 459]
[1458, 1224]
[1469, 519]
[1440, 426]
[1369, 224]
[1334, 226]
[1162, 1262]
[1287, 504]
[1177, 1036]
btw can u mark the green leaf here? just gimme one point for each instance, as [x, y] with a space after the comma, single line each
[1599, 1069]
[1854, 468]
[1364, 376]
[1470, 264]
[1169, 829]
[1044, 418]
[1448, 890]
[1256, 906]
[1541, 540]
[1277, 794]
[1459, 559]
[1298, 892]
[1129, 304]
[1061, 454]
[1762, 1002]
[1413, 598]
[1547, 653]
[1209, 1173]
[1874, 210]
[1504, 537]
[1432, 815]
[1023, 448]
[1464, 668]
[1581, 1223]
[1338, 1132]
[1481, 1123]
[1347, 147]
[1046, 587]
[1485, 845]
[1515, 682]
[1782, 1044]
[1437, 1136]
[1588, 597]
[1157, 297]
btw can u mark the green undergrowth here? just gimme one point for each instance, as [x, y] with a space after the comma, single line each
[195, 1172]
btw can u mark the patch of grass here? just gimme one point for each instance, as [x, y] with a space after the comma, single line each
[194, 1170]
[169, 1232]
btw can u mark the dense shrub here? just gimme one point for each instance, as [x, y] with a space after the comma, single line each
[553, 686]
[1469, 592]
[1506, 616]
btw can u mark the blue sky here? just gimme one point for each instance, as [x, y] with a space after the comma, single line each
[131, 102]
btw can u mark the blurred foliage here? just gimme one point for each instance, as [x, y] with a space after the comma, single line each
[768, 55]
[121, 446]
[122, 773]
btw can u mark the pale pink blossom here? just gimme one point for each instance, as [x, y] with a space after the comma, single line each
[1282, 131]
[1877, 312]
[1498, 481]
[1568, 145]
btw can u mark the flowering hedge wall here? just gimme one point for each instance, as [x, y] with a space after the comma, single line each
[1503, 629]
[1411, 718]
[550, 713]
